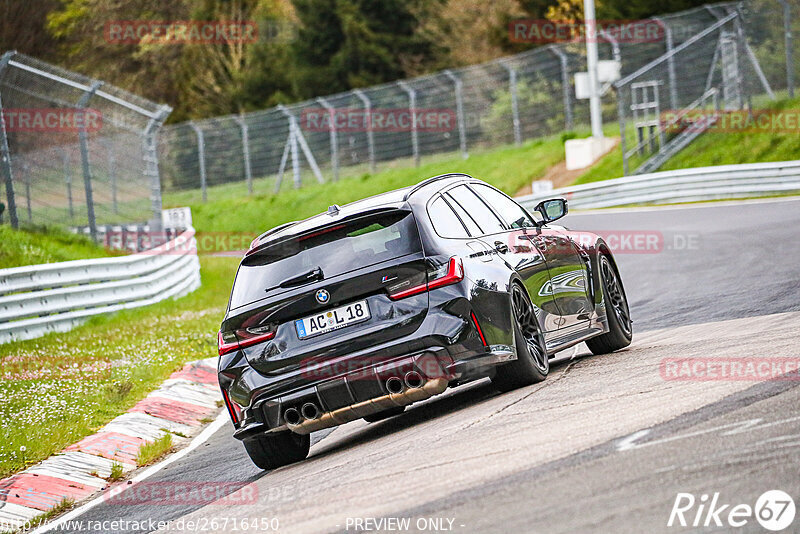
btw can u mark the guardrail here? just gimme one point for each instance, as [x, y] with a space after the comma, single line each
[55, 297]
[685, 185]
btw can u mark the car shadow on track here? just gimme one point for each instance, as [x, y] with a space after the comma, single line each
[457, 399]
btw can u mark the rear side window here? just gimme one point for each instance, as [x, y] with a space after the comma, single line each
[465, 217]
[514, 215]
[334, 250]
[480, 212]
[444, 220]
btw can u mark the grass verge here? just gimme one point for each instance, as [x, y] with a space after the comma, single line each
[152, 451]
[714, 148]
[57, 389]
[509, 168]
[45, 244]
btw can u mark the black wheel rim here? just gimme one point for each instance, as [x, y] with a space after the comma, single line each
[615, 297]
[529, 327]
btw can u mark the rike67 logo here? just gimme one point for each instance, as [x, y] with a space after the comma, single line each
[774, 510]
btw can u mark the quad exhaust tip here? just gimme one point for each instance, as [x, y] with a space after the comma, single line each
[292, 416]
[394, 385]
[414, 380]
[310, 411]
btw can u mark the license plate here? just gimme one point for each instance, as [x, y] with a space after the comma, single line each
[330, 320]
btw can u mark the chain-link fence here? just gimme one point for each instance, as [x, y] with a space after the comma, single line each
[739, 57]
[76, 151]
[507, 101]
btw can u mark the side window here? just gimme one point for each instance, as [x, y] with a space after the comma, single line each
[444, 221]
[512, 213]
[480, 212]
[464, 216]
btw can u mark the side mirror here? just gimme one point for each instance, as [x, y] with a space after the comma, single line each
[552, 209]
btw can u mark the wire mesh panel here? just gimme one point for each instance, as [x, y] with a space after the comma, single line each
[79, 152]
[508, 101]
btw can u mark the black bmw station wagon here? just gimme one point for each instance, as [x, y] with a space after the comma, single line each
[363, 310]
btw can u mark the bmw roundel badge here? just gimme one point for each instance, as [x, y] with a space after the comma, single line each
[323, 296]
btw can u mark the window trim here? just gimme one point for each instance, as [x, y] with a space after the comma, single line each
[502, 219]
[481, 199]
[433, 199]
[451, 201]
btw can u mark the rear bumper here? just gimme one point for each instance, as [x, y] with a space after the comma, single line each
[349, 386]
[368, 391]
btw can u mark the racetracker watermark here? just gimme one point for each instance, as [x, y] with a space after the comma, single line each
[351, 120]
[180, 31]
[730, 369]
[184, 493]
[42, 120]
[539, 31]
[618, 241]
[733, 121]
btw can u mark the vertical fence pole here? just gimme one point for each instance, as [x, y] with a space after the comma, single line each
[462, 127]
[334, 138]
[68, 182]
[512, 86]
[83, 137]
[248, 173]
[412, 109]
[151, 168]
[787, 31]
[370, 135]
[5, 153]
[201, 158]
[566, 89]
[673, 82]
[294, 148]
[622, 132]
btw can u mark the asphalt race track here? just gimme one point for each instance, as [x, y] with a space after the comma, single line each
[606, 444]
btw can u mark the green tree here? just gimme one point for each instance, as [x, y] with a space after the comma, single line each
[342, 44]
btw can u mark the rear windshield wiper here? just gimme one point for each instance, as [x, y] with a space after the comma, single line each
[313, 275]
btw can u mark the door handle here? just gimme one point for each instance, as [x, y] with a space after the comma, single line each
[501, 247]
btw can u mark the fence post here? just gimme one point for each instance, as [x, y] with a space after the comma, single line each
[151, 169]
[370, 135]
[787, 30]
[462, 129]
[512, 85]
[5, 153]
[673, 87]
[333, 137]
[566, 89]
[248, 173]
[293, 148]
[412, 109]
[201, 157]
[83, 136]
[622, 132]
[68, 182]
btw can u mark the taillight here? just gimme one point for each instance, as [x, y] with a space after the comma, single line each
[478, 328]
[234, 409]
[450, 273]
[242, 340]
[226, 346]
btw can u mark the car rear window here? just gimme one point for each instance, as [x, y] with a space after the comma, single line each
[335, 249]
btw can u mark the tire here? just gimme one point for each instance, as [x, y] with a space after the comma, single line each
[385, 414]
[532, 364]
[277, 450]
[618, 314]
